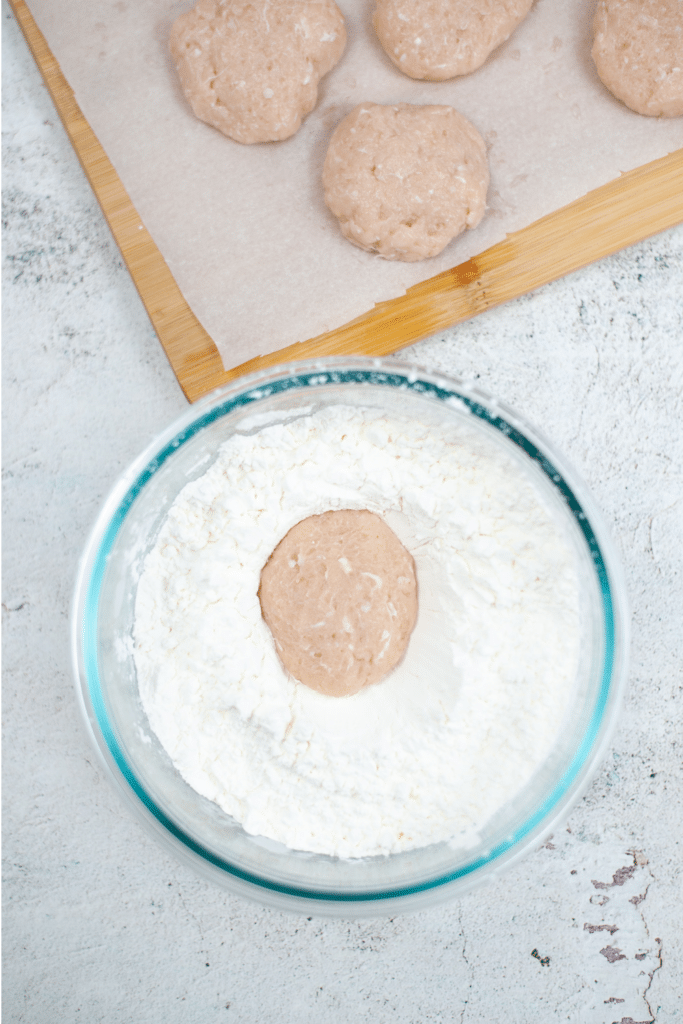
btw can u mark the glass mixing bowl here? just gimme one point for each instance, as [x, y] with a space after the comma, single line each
[195, 828]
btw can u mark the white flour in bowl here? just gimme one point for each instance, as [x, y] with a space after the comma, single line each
[455, 731]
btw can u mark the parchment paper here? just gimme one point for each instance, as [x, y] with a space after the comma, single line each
[244, 229]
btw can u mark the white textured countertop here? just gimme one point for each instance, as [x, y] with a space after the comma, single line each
[100, 924]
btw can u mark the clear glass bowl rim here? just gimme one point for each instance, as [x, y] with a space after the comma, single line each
[319, 373]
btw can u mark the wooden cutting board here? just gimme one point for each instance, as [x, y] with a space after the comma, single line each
[640, 203]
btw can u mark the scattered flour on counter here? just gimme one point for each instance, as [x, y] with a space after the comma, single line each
[431, 752]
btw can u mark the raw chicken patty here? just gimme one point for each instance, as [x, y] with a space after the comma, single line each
[339, 595]
[404, 180]
[438, 39]
[251, 67]
[638, 53]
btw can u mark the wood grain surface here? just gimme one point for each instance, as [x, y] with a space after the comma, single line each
[638, 204]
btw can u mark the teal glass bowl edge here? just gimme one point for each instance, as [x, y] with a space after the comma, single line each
[299, 381]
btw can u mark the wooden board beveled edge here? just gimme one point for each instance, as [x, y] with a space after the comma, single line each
[640, 203]
[191, 352]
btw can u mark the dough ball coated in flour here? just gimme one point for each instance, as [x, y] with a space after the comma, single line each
[438, 39]
[251, 67]
[405, 180]
[638, 53]
[339, 595]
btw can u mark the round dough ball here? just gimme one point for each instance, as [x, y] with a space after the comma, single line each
[405, 180]
[437, 39]
[638, 52]
[251, 67]
[339, 595]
